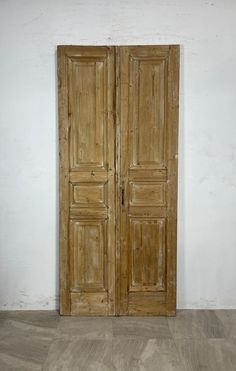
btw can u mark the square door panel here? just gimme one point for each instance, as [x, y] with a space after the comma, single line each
[88, 194]
[147, 193]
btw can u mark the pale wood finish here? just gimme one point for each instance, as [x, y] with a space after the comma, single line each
[149, 78]
[118, 109]
[87, 221]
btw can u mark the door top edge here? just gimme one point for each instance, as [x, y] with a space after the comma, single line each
[118, 46]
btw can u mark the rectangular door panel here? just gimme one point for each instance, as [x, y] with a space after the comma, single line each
[88, 255]
[87, 105]
[147, 111]
[147, 194]
[88, 194]
[118, 114]
[147, 254]
[148, 179]
[87, 197]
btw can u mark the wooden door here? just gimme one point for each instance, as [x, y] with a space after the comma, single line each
[118, 111]
[87, 171]
[148, 179]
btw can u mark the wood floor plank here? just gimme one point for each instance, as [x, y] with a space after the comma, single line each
[228, 319]
[196, 324]
[193, 341]
[206, 354]
[25, 338]
[9, 363]
[145, 354]
[79, 354]
[84, 328]
[41, 318]
[141, 327]
[211, 325]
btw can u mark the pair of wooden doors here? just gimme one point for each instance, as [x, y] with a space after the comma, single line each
[118, 115]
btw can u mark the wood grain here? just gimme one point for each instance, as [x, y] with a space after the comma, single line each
[118, 116]
[87, 195]
[148, 173]
[194, 340]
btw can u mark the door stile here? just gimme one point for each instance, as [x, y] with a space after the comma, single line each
[172, 184]
[117, 176]
[124, 150]
[64, 182]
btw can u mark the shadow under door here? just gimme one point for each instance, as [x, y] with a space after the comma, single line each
[118, 119]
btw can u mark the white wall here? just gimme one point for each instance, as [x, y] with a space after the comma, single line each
[29, 33]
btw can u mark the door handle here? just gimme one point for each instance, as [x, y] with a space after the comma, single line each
[122, 194]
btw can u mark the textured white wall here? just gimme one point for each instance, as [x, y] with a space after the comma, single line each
[29, 33]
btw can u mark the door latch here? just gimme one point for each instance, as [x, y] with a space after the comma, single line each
[122, 194]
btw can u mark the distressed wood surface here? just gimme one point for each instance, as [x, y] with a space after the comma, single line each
[87, 195]
[118, 110]
[149, 78]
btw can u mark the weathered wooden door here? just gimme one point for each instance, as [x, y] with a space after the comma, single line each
[148, 176]
[87, 186]
[118, 110]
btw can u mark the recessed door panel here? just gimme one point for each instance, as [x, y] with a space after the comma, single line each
[118, 112]
[87, 196]
[87, 110]
[147, 92]
[147, 193]
[147, 254]
[148, 179]
[88, 255]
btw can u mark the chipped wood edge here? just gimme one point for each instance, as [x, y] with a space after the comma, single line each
[63, 180]
[173, 123]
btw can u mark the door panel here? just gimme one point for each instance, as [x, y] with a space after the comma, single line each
[147, 111]
[147, 254]
[118, 112]
[148, 178]
[147, 194]
[86, 96]
[87, 104]
[88, 255]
